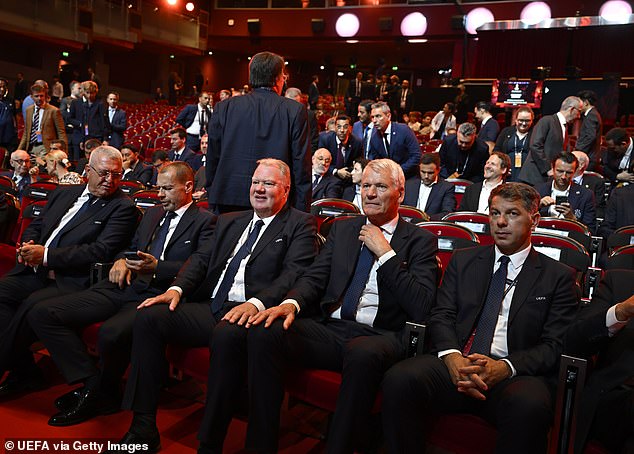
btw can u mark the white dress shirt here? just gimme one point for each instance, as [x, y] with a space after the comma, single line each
[483, 201]
[554, 193]
[424, 193]
[172, 228]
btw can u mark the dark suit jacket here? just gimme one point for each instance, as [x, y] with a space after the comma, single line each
[348, 193]
[51, 124]
[313, 95]
[117, 127]
[194, 230]
[186, 116]
[543, 306]
[328, 187]
[581, 202]
[589, 139]
[404, 148]
[469, 164]
[314, 131]
[588, 336]
[96, 236]
[547, 141]
[95, 116]
[352, 150]
[409, 101]
[407, 282]
[596, 185]
[188, 156]
[471, 197]
[141, 172]
[441, 201]
[246, 128]
[619, 212]
[280, 256]
[489, 132]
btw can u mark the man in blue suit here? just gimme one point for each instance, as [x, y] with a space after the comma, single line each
[195, 119]
[88, 117]
[181, 152]
[344, 147]
[428, 192]
[117, 119]
[489, 127]
[564, 198]
[362, 129]
[393, 140]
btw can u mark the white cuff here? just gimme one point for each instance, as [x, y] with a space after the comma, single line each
[387, 256]
[513, 371]
[257, 303]
[446, 352]
[176, 288]
[291, 301]
[45, 259]
[613, 324]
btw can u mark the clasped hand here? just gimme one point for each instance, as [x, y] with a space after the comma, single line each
[30, 254]
[475, 374]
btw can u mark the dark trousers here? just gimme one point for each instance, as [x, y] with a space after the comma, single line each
[520, 408]
[18, 294]
[614, 420]
[193, 142]
[361, 353]
[58, 323]
[190, 325]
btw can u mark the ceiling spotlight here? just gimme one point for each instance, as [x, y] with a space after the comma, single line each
[340, 73]
[417, 40]
[535, 12]
[322, 67]
[172, 2]
[210, 53]
[352, 41]
[477, 18]
[414, 24]
[172, 56]
[347, 25]
[189, 6]
[615, 11]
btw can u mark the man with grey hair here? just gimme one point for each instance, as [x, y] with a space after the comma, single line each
[296, 94]
[590, 181]
[549, 138]
[80, 225]
[252, 260]
[375, 273]
[463, 155]
[260, 124]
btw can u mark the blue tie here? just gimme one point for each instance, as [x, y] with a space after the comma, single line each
[84, 207]
[357, 284]
[488, 318]
[232, 269]
[158, 243]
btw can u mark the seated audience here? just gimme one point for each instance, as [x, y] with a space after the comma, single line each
[476, 196]
[429, 192]
[617, 161]
[593, 183]
[325, 185]
[167, 236]
[23, 174]
[425, 126]
[352, 192]
[443, 121]
[496, 342]
[57, 165]
[514, 140]
[89, 145]
[343, 146]
[134, 169]
[619, 211]
[463, 155]
[604, 333]
[372, 276]
[180, 151]
[563, 198]
[160, 158]
[414, 120]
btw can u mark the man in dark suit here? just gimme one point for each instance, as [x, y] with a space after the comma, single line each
[362, 129]
[8, 135]
[296, 94]
[589, 139]
[594, 183]
[344, 147]
[404, 101]
[89, 117]
[430, 193]
[117, 119]
[374, 274]
[79, 226]
[549, 138]
[563, 197]
[195, 119]
[180, 151]
[313, 93]
[76, 93]
[133, 168]
[352, 192]
[325, 184]
[167, 236]
[463, 155]
[252, 260]
[260, 124]
[21, 175]
[489, 127]
[605, 329]
[514, 140]
[392, 140]
[353, 95]
[619, 211]
[496, 342]
[618, 161]
[476, 196]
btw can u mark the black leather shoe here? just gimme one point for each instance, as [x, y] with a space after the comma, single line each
[17, 384]
[89, 404]
[153, 443]
[68, 400]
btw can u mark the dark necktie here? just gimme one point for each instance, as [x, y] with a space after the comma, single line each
[339, 162]
[24, 181]
[358, 91]
[232, 269]
[357, 284]
[203, 123]
[489, 316]
[82, 209]
[35, 126]
[387, 145]
[177, 156]
[366, 132]
[315, 181]
[158, 243]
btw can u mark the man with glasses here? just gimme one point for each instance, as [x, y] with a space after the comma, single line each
[80, 225]
[325, 185]
[514, 140]
[260, 124]
[22, 175]
[549, 138]
[252, 260]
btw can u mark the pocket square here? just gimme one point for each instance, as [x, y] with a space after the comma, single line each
[188, 241]
[97, 222]
[279, 239]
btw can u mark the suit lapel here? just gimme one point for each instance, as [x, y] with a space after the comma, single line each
[432, 195]
[189, 216]
[525, 282]
[270, 233]
[61, 209]
[233, 233]
[157, 215]
[354, 248]
[484, 273]
[90, 212]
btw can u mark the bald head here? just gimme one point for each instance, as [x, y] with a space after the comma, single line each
[21, 162]
[321, 161]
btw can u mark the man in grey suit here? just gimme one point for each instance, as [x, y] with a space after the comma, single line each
[549, 138]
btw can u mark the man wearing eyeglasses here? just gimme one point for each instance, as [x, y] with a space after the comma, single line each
[80, 225]
[549, 138]
[22, 174]
[514, 140]
[252, 260]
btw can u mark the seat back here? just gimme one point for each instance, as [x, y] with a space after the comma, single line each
[325, 225]
[621, 258]
[130, 187]
[9, 215]
[563, 249]
[7, 185]
[40, 190]
[567, 228]
[28, 214]
[450, 237]
[478, 223]
[460, 186]
[146, 199]
[621, 237]
[332, 207]
[412, 214]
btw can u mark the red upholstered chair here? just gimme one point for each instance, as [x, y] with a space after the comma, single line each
[163, 143]
[566, 227]
[130, 187]
[7, 184]
[621, 237]
[478, 223]
[9, 217]
[203, 204]
[325, 208]
[460, 186]
[188, 361]
[621, 258]
[412, 214]
[565, 250]
[323, 226]
[7, 258]
[40, 190]
[146, 199]
[29, 213]
[450, 237]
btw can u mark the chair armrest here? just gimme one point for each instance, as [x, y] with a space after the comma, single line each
[99, 272]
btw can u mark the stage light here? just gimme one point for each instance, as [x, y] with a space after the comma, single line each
[352, 41]
[340, 73]
[189, 6]
[414, 24]
[172, 2]
[417, 41]
[347, 25]
[322, 67]
[394, 68]
[615, 11]
[476, 18]
[210, 53]
[535, 12]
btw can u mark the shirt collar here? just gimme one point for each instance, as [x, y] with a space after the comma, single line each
[553, 188]
[181, 211]
[432, 183]
[562, 119]
[266, 221]
[389, 227]
[517, 259]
